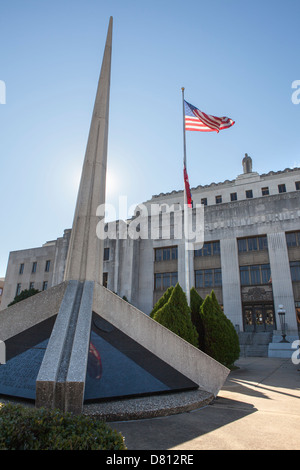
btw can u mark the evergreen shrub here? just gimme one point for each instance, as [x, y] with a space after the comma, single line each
[196, 302]
[220, 337]
[173, 312]
[23, 428]
[24, 295]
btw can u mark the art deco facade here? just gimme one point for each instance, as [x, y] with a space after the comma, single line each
[250, 256]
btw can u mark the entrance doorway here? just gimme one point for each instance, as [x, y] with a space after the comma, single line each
[259, 318]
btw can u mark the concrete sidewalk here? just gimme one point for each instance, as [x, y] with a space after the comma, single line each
[257, 409]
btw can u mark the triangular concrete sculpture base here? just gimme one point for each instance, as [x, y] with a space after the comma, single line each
[61, 375]
[48, 336]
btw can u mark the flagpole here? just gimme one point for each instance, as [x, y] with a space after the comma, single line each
[185, 212]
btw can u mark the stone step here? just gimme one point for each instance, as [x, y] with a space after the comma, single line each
[254, 344]
[254, 351]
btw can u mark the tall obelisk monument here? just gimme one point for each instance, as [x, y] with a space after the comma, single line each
[85, 255]
[61, 378]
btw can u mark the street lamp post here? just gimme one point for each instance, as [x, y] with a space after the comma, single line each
[281, 314]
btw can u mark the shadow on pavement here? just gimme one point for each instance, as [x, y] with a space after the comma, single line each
[171, 431]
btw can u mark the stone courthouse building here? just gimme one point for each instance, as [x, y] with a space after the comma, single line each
[250, 256]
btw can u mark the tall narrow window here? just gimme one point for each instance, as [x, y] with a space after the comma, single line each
[295, 270]
[34, 264]
[245, 279]
[45, 285]
[218, 277]
[207, 249]
[105, 279]
[252, 244]
[297, 184]
[208, 277]
[291, 239]
[106, 254]
[31, 285]
[47, 266]
[265, 273]
[249, 194]
[21, 270]
[18, 289]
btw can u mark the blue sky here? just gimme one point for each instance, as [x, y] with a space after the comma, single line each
[234, 58]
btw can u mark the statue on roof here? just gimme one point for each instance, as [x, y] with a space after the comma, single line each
[247, 164]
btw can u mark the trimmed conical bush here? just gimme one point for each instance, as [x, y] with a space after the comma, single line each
[162, 301]
[220, 337]
[175, 315]
[195, 304]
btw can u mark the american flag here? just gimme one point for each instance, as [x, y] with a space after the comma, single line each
[196, 120]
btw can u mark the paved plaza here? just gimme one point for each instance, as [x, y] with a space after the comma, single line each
[258, 408]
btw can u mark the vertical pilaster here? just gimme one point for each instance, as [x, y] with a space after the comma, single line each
[231, 284]
[281, 278]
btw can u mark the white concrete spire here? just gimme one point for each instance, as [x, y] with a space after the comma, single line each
[85, 255]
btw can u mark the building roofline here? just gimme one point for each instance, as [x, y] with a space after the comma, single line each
[226, 182]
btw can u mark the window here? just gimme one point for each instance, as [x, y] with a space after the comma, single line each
[31, 285]
[262, 243]
[208, 249]
[242, 245]
[249, 194]
[199, 278]
[164, 280]
[295, 270]
[245, 277]
[104, 279]
[34, 264]
[253, 243]
[217, 277]
[265, 191]
[218, 199]
[166, 254]
[47, 266]
[45, 285]
[208, 278]
[297, 184]
[255, 275]
[265, 273]
[233, 196]
[106, 254]
[1, 290]
[292, 239]
[204, 201]
[18, 289]
[21, 270]
[281, 188]
[216, 248]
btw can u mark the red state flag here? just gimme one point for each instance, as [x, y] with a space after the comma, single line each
[187, 188]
